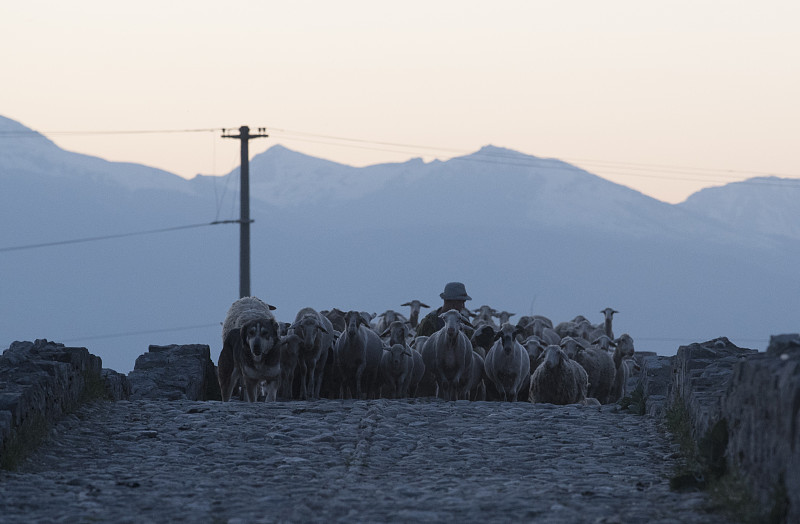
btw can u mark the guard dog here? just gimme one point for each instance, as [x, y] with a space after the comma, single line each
[250, 353]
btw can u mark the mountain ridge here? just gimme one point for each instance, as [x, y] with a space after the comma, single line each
[528, 238]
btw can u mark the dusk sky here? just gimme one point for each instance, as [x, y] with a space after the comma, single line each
[665, 97]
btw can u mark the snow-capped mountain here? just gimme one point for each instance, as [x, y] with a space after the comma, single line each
[524, 234]
[765, 206]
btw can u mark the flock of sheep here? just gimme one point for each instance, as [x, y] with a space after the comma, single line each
[336, 354]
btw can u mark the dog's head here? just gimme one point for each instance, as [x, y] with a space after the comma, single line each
[260, 337]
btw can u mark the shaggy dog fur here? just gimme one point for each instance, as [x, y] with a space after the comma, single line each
[250, 352]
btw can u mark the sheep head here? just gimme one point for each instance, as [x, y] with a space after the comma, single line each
[508, 335]
[453, 322]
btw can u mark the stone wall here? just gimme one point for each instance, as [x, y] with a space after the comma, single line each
[39, 382]
[174, 373]
[743, 406]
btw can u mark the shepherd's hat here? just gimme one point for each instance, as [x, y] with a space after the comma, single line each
[455, 291]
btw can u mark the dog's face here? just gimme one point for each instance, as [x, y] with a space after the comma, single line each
[260, 336]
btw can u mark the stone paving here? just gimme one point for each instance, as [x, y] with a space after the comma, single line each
[420, 460]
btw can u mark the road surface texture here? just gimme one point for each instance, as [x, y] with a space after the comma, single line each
[418, 460]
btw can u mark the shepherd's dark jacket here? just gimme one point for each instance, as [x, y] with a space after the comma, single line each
[430, 323]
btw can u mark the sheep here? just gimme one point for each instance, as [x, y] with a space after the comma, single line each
[397, 369]
[623, 354]
[484, 317]
[568, 329]
[483, 339]
[415, 305]
[507, 364]
[290, 356]
[448, 357]
[571, 346]
[249, 334]
[358, 354]
[419, 342]
[386, 318]
[504, 316]
[316, 334]
[476, 389]
[599, 366]
[608, 314]
[398, 332]
[558, 379]
[535, 348]
[604, 342]
[336, 316]
[550, 336]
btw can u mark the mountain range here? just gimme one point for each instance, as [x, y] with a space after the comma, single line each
[525, 234]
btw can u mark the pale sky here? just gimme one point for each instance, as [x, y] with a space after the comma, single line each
[694, 93]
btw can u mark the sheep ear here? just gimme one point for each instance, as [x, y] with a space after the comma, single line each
[424, 305]
[386, 332]
[271, 307]
[406, 304]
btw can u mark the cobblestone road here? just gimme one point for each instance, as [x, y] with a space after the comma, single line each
[406, 460]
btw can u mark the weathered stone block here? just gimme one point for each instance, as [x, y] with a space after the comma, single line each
[116, 385]
[702, 373]
[761, 408]
[40, 381]
[175, 372]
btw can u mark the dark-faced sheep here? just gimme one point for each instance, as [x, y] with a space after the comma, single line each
[448, 357]
[483, 339]
[358, 354]
[558, 379]
[250, 352]
[507, 364]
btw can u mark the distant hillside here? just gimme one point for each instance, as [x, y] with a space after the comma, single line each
[764, 206]
[524, 234]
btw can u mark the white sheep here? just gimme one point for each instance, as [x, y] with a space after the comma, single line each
[358, 354]
[623, 355]
[383, 320]
[397, 370]
[485, 316]
[504, 316]
[448, 357]
[558, 379]
[599, 366]
[415, 305]
[316, 334]
[507, 364]
[608, 315]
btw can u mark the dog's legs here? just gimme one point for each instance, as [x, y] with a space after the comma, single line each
[229, 384]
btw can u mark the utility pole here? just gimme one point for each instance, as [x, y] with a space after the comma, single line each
[244, 207]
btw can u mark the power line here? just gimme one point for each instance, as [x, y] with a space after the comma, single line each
[36, 134]
[515, 156]
[144, 332]
[119, 235]
[699, 174]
